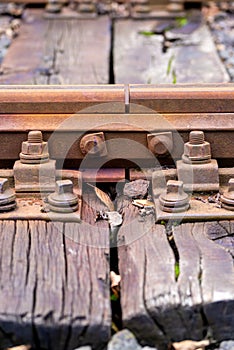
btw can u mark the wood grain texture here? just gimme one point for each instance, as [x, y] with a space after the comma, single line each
[55, 282]
[139, 58]
[59, 52]
[159, 306]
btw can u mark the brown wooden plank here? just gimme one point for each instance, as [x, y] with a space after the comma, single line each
[72, 44]
[210, 270]
[140, 59]
[61, 52]
[25, 53]
[55, 282]
[188, 280]
[131, 242]
[180, 307]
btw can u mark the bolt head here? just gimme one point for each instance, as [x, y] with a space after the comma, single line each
[4, 185]
[160, 144]
[93, 144]
[174, 186]
[64, 186]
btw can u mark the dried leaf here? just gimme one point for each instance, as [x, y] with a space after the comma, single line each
[103, 196]
[190, 345]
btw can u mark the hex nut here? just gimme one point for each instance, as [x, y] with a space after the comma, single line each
[34, 150]
[197, 150]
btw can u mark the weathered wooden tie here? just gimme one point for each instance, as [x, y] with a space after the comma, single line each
[161, 304]
[55, 282]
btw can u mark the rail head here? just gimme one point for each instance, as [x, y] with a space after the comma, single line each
[211, 98]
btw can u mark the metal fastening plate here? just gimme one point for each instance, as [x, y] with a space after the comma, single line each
[34, 209]
[200, 209]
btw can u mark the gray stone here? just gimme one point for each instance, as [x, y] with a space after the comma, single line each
[227, 345]
[124, 340]
[136, 189]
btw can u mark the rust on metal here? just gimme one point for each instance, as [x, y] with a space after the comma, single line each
[34, 172]
[61, 112]
[68, 99]
[7, 196]
[196, 169]
[63, 200]
[218, 98]
[227, 199]
[160, 144]
[174, 199]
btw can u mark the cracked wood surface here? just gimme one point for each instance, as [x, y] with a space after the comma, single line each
[140, 59]
[55, 282]
[58, 52]
[157, 306]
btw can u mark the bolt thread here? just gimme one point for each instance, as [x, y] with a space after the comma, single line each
[35, 137]
[196, 137]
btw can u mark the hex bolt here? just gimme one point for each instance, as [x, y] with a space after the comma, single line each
[160, 144]
[7, 196]
[197, 150]
[93, 144]
[227, 199]
[34, 150]
[63, 200]
[174, 199]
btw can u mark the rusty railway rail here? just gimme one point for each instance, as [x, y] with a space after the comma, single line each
[55, 293]
[131, 112]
